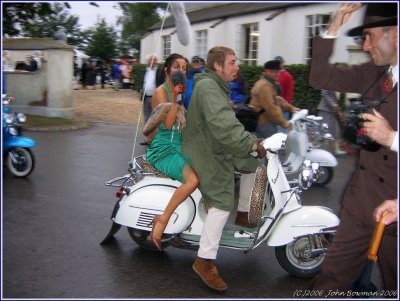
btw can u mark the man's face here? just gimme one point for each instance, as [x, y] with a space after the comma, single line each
[196, 64]
[227, 71]
[381, 43]
[152, 62]
[274, 74]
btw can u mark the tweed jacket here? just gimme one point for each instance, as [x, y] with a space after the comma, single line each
[215, 141]
[264, 96]
[375, 176]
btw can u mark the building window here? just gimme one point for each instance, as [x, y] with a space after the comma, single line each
[315, 24]
[166, 43]
[201, 43]
[251, 37]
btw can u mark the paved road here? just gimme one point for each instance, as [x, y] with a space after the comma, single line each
[54, 220]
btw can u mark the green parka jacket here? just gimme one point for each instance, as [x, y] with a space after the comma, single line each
[215, 142]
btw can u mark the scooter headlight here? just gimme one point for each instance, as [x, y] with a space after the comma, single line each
[9, 118]
[13, 131]
[21, 117]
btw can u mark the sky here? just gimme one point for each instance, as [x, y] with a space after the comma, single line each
[88, 14]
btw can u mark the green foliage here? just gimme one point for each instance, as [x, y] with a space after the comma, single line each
[138, 71]
[101, 41]
[136, 19]
[18, 15]
[46, 26]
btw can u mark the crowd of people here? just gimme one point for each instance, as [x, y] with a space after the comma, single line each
[92, 72]
[214, 143]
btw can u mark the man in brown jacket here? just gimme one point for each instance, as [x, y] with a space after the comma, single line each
[375, 176]
[265, 97]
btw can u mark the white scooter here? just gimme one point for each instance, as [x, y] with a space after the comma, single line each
[300, 148]
[300, 234]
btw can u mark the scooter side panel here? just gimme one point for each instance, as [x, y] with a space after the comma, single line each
[323, 157]
[306, 220]
[149, 198]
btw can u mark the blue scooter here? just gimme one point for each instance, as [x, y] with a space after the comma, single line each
[17, 155]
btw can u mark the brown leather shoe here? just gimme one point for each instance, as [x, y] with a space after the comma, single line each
[242, 219]
[208, 272]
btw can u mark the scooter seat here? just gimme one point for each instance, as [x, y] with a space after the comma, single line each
[147, 167]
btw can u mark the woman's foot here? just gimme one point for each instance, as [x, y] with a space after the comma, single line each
[157, 232]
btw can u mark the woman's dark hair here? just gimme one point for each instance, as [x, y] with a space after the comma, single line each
[170, 61]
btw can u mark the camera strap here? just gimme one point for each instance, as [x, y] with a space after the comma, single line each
[381, 99]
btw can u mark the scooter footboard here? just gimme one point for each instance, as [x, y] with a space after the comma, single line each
[305, 220]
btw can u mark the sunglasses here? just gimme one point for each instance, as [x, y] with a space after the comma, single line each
[196, 61]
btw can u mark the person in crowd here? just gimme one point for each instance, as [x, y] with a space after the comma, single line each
[84, 73]
[328, 108]
[37, 56]
[196, 66]
[286, 82]
[216, 144]
[164, 152]
[375, 175]
[31, 64]
[152, 78]
[91, 74]
[116, 75]
[238, 89]
[265, 95]
[101, 70]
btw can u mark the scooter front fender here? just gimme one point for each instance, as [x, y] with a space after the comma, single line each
[19, 141]
[148, 198]
[305, 220]
[321, 156]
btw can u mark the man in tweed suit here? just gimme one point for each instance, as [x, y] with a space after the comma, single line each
[375, 176]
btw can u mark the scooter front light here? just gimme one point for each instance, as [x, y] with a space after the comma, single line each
[9, 118]
[21, 117]
[13, 131]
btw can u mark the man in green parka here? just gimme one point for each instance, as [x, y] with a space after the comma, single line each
[217, 145]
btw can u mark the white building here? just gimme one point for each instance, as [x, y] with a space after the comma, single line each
[256, 31]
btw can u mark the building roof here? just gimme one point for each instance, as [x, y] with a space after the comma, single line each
[226, 10]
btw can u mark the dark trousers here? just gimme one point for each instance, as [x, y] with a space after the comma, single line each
[349, 252]
[147, 107]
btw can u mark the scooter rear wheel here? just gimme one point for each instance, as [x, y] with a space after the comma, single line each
[25, 161]
[142, 239]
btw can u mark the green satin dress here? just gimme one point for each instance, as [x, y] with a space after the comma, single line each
[165, 153]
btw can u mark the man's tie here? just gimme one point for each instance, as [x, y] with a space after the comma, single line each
[388, 83]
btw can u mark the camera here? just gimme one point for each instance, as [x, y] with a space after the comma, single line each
[353, 127]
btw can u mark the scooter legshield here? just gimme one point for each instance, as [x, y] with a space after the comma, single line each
[149, 198]
[323, 157]
[18, 141]
[305, 220]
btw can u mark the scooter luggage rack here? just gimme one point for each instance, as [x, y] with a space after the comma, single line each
[136, 171]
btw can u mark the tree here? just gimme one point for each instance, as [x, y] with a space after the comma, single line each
[45, 27]
[135, 21]
[101, 41]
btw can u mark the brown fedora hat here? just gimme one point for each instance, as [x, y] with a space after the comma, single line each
[377, 15]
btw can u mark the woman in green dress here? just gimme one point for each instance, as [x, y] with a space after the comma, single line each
[164, 153]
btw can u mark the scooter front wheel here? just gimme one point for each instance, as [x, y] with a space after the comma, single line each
[324, 177]
[20, 161]
[300, 259]
[142, 239]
